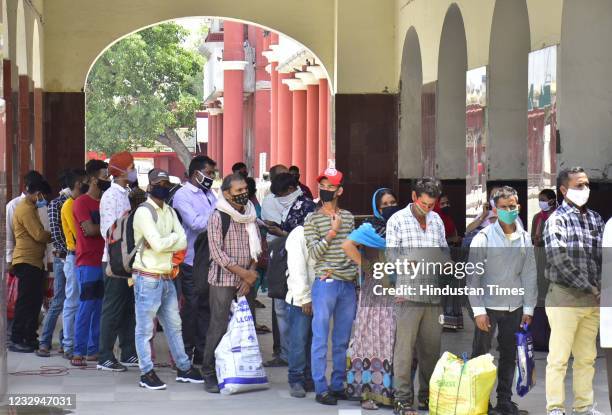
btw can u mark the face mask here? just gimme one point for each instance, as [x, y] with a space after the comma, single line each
[41, 203]
[132, 176]
[206, 182]
[446, 210]
[159, 192]
[578, 197]
[288, 200]
[104, 185]
[388, 211]
[84, 188]
[419, 209]
[507, 216]
[243, 174]
[545, 206]
[242, 199]
[327, 195]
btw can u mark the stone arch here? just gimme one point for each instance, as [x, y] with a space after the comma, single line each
[508, 78]
[410, 161]
[450, 117]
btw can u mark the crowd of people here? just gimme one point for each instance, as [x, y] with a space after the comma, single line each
[316, 264]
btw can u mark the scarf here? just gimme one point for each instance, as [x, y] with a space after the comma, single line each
[287, 202]
[249, 219]
[367, 236]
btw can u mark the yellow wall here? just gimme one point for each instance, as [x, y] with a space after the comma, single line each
[77, 32]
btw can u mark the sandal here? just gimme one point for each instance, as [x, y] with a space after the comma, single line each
[78, 361]
[404, 408]
[369, 405]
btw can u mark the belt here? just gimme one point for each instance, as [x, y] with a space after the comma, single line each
[152, 275]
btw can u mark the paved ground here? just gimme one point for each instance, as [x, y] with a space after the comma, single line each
[118, 394]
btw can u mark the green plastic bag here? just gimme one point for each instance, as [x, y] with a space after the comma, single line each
[461, 387]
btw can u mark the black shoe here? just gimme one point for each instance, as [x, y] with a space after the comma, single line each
[340, 395]
[506, 407]
[151, 381]
[326, 399]
[21, 348]
[131, 361]
[276, 362]
[210, 384]
[297, 390]
[424, 404]
[111, 366]
[259, 304]
[191, 375]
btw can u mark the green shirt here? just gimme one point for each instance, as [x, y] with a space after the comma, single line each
[329, 258]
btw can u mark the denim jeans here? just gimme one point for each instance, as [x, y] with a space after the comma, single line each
[331, 299]
[71, 302]
[87, 321]
[156, 297]
[57, 304]
[300, 339]
[282, 318]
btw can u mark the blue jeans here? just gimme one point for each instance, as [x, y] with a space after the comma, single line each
[87, 322]
[57, 304]
[156, 297]
[337, 299]
[71, 302]
[282, 318]
[300, 340]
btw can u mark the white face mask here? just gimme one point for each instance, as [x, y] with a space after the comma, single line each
[578, 197]
[544, 206]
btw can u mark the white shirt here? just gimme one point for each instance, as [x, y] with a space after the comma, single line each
[605, 319]
[10, 234]
[113, 204]
[271, 210]
[300, 268]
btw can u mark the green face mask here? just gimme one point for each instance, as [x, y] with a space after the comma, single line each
[507, 216]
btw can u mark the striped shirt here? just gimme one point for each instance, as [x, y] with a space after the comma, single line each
[573, 248]
[329, 258]
[55, 223]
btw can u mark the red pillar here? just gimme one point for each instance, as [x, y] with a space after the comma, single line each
[219, 145]
[273, 114]
[298, 125]
[312, 136]
[24, 128]
[7, 140]
[323, 123]
[285, 111]
[233, 61]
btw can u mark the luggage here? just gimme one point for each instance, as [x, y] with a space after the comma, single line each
[525, 362]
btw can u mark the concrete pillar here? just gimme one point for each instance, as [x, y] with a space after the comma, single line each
[298, 122]
[219, 145]
[285, 114]
[312, 129]
[261, 119]
[8, 130]
[210, 148]
[233, 89]
[323, 132]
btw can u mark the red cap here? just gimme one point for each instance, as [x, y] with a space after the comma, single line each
[334, 176]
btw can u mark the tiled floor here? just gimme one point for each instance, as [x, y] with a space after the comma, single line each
[118, 394]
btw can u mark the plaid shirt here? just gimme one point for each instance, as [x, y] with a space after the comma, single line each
[55, 223]
[234, 250]
[404, 234]
[573, 248]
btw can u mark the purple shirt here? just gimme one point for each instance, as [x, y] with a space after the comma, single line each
[195, 206]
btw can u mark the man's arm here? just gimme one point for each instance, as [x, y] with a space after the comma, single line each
[529, 278]
[10, 235]
[317, 244]
[177, 228]
[217, 254]
[143, 221]
[195, 218]
[108, 213]
[82, 216]
[34, 227]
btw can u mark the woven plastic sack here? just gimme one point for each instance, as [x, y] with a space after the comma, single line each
[238, 359]
[461, 386]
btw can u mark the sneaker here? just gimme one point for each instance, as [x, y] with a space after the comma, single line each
[589, 411]
[210, 384]
[191, 375]
[111, 366]
[297, 391]
[340, 395]
[506, 407]
[556, 411]
[403, 408]
[424, 404]
[276, 362]
[130, 362]
[326, 399]
[151, 381]
[43, 351]
[21, 348]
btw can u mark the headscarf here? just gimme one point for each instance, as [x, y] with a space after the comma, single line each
[372, 232]
[449, 223]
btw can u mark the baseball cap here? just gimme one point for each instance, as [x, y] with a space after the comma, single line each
[158, 175]
[334, 176]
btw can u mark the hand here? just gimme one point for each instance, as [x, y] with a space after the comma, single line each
[485, 211]
[526, 319]
[243, 288]
[336, 223]
[483, 323]
[307, 308]
[275, 230]
[249, 277]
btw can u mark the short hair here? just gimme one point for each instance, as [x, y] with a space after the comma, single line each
[504, 192]
[45, 188]
[199, 162]
[276, 169]
[282, 182]
[228, 180]
[238, 166]
[381, 194]
[294, 169]
[41, 186]
[252, 186]
[549, 193]
[94, 166]
[428, 185]
[63, 178]
[74, 176]
[564, 175]
[31, 177]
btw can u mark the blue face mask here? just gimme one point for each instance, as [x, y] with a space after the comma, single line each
[507, 216]
[41, 203]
